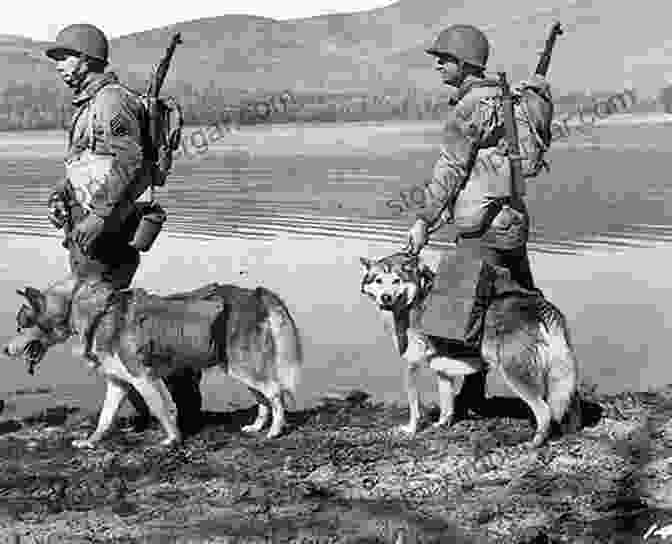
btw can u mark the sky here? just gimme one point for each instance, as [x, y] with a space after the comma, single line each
[120, 17]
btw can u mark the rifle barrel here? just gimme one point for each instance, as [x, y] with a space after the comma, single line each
[545, 59]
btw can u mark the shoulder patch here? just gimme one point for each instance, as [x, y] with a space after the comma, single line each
[119, 125]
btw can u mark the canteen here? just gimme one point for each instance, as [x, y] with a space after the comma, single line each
[152, 218]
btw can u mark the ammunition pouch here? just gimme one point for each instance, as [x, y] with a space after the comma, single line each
[509, 229]
[504, 226]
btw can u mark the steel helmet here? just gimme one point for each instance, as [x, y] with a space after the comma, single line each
[464, 42]
[84, 39]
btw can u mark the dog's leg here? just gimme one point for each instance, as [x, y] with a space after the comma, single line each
[416, 355]
[448, 386]
[151, 390]
[532, 395]
[262, 413]
[114, 396]
[167, 398]
[278, 422]
[272, 394]
[413, 400]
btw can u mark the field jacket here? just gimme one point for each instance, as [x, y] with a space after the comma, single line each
[107, 132]
[475, 120]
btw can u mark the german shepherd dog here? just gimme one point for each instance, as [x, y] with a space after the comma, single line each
[526, 338]
[135, 338]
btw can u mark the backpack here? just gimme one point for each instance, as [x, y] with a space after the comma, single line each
[534, 140]
[160, 152]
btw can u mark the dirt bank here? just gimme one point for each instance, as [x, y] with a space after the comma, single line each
[341, 475]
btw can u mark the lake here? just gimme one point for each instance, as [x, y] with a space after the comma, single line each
[294, 206]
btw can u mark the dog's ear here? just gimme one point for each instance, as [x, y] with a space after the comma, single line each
[366, 263]
[426, 276]
[35, 298]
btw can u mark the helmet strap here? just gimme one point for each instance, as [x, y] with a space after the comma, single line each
[462, 71]
[79, 74]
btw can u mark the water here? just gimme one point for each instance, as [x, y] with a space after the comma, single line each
[608, 193]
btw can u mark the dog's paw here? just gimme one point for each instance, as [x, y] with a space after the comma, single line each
[539, 440]
[443, 422]
[274, 431]
[85, 444]
[252, 428]
[170, 441]
[408, 430]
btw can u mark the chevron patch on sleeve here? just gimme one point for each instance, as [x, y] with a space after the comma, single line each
[119, 126]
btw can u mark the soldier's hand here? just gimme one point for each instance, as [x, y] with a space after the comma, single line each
[87, 231]
[58, 213]
[417, 237]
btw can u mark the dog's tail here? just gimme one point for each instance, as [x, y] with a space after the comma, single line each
[286, 339]
[563, 370]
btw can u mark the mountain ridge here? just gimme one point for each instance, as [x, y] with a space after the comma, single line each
[384, 47]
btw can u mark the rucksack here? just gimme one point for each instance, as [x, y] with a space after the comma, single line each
[158, 154]
[161, 151]
[534, 141]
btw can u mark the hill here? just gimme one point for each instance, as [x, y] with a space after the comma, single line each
[384, 47]
[375, 52]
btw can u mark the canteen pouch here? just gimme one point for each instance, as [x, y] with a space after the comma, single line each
[151, 219]
[509, 229]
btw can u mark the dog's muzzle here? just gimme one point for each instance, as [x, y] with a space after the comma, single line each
[33, 352]
[386, 302]
[390, 303]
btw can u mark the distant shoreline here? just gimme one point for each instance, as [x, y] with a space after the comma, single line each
[634, 119]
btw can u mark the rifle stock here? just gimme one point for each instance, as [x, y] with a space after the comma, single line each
[511, 135]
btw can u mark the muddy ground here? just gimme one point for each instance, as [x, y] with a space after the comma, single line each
[340, 474]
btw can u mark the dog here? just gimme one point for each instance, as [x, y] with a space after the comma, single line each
[525, 337]
[134, 338]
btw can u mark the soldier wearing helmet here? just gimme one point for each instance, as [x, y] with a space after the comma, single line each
[472, 136]
[97, 212]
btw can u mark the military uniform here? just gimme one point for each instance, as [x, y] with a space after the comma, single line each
[107, 123]
[492, 227]
[106, 136]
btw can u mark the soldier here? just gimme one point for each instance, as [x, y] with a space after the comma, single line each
[489, 224]
[107, 132]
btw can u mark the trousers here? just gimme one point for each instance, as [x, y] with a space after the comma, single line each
[516, 262]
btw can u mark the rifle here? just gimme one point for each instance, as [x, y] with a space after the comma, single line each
[511, 137]
[155, 111]
[545, 58]
[510, 126]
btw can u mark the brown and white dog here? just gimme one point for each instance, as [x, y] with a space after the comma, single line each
[526, 338]
[134, 338]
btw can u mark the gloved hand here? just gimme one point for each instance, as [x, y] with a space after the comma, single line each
[87, 231]
[417, 237]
